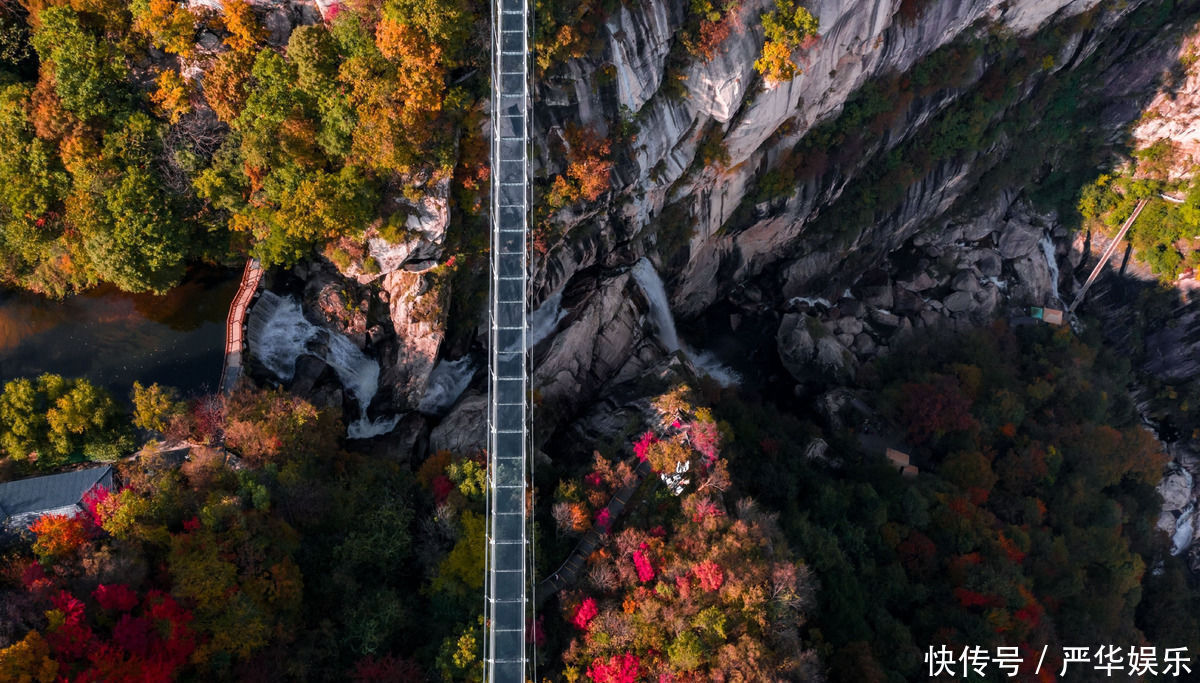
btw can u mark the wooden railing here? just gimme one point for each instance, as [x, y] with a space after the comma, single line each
[235, 324]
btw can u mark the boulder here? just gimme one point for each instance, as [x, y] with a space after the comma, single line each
[1018, 239]
[965, 281]
[885, 318]
[919, 282]
[1176, 490]
[808, 351]
[988, 261]
[464, 429]
[879, 296]
[959, 302]
[907, 302]
[417, 311]
[864, 345]
[849, 325]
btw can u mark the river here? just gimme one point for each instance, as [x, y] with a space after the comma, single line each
[114, 338]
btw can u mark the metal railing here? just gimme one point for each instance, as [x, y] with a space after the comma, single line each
[507, 541]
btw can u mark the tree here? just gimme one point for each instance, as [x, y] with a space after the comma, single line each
[50, 418]
[172, 95]
[787, 28]
[169, 25]
[154, 406]
[134, 236]
[89, 74]
[245, 31]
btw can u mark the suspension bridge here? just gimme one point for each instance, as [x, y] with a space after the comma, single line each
[508, 540]
[1112, 247]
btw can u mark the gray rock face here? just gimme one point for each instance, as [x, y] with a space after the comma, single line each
[605, 340]
[464, 429]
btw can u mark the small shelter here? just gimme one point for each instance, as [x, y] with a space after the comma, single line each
[900, 461]
[1052, 316]
[23, 501]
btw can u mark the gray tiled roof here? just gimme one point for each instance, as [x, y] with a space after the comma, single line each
[50, 492]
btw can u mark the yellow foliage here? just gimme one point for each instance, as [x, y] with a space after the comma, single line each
[28, 661]
[172, 96]
[776, 62]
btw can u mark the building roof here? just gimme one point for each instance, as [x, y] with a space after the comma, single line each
[51, 492]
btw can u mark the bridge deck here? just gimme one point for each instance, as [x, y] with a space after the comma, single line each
[235, 325]
[1112, 246]
[505, 653]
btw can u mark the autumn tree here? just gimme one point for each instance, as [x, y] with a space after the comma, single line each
[788, 28]
[51, 418]
[589, 168]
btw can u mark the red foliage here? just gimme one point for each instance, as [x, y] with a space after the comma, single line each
[969, 598]
[594, 480]
[684, 584]
[623, 668]
[93, 503]
[584, 614]
[442, 488]
[151, 646]
[645, 570]
[603, 520]
[932, 409]
[115, 596]
[643, 444]
[705, 438]
[710, 575]
[1030, 615]
[705, 508]
[34, 577]
[535, 631]
[917, 552]
[1011, 550]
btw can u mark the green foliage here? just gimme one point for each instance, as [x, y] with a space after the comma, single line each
[318, 134]
[48, 420]
[89, 74]
[1164, 235]
[154, 406]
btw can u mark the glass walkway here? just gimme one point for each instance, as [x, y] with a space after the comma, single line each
[505, 655]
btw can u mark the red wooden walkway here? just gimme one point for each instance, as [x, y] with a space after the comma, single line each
[235, 324]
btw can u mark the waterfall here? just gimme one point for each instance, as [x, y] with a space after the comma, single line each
[660, 307]
[705, 362]
[278, 334]
[546, 317]
[447, 382]
[1047, 245]
[1184, 530]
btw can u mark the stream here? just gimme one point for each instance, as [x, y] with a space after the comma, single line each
[114, 338]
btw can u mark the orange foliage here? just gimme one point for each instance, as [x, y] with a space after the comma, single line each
[225, 84]
[245, 31]
[58, 536]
